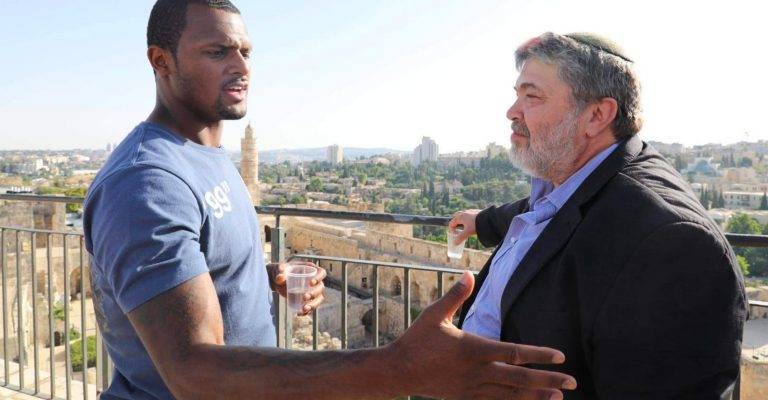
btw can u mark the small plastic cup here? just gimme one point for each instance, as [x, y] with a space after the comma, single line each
[455, 249]
[298, 283]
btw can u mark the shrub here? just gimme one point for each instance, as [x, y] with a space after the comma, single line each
[76, 353]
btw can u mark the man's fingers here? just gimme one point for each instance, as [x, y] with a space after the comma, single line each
[315, 291]
[513, 375]
[445, 307]
[518, 354]
[462, 236]
[502, 392]
[314, 303]
[454, 220]
[319, 277]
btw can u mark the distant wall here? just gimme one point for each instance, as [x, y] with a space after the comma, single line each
[305, 235]
[761, 294]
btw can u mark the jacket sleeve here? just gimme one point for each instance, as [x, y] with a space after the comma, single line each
[671, 325]
[493, 222]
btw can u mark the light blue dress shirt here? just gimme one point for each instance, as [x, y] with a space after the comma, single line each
[484, 317]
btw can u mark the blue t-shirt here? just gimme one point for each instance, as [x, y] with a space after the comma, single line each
[161, 211]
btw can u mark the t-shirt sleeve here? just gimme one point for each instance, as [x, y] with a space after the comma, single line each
[144, 225]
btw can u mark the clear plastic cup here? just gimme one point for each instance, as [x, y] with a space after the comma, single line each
[455, 249]
[298, 283]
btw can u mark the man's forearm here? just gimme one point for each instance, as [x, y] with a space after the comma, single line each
[224, 372]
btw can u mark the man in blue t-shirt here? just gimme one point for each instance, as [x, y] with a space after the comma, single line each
[182, 294]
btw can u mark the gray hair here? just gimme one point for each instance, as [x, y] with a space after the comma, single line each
[594, 68]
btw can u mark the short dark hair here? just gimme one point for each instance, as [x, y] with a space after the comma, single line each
[169, 18]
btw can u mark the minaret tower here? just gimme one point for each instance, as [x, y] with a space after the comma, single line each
[249, 163]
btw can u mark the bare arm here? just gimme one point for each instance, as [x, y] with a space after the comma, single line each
[182, 330]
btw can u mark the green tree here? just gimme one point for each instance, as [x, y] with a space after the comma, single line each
[431, 195]
[314, 185]
[744, 224]
[745, 162]
[679, 162]
[721, 200]
[705, 201]
[756, 258]
[744, 264]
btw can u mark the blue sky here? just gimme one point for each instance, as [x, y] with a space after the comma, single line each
[379, 73]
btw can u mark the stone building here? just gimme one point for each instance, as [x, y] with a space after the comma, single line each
[426, 151]
[335, 154]
[249, 163]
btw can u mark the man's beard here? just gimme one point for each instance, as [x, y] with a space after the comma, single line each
[221, 111]
[550, 153]
[231, 112]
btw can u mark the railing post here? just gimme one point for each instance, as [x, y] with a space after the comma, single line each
[440, 285]
[100, 361]
[375, 321]
[344, 299]
[280, 305]
[20, 310]
[51, 337]
[83, 326]
[67, 346]
[315, 322]
[33, 238]
[406, 298]
[6, 363]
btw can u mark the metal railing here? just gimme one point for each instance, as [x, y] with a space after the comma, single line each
[73, 241]
[62, 254]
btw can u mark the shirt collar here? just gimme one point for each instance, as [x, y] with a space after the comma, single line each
[542, 190]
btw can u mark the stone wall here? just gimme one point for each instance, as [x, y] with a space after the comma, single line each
[44, 216]
[309, 236]
[16, 214]
[15, 284]
[754, 380]
[758, 293]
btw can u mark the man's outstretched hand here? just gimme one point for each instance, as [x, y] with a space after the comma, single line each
[439, 360]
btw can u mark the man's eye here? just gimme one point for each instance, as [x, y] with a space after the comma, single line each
[531, 96]
[217, 53]
[246, 54]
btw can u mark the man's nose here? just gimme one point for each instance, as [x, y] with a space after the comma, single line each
[240, 65]
[514, 112]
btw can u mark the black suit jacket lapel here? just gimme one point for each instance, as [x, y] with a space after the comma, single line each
[562, 225]
[551, 240]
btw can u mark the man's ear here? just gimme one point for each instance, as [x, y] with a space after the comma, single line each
[161, 60]
[600, 116]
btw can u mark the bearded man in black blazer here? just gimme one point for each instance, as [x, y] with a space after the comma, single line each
[612, 259]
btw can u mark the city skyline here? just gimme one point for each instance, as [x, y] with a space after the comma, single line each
[368, 75]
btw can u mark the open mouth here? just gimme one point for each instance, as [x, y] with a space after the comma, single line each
[236, 90]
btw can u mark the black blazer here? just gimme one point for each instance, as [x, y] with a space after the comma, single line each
[632, 281]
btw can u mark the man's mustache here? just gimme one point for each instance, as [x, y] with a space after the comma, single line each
[520, 128]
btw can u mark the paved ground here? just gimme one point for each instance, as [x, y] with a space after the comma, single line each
[755, 344]
[8, 394]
